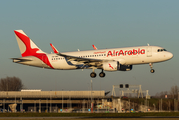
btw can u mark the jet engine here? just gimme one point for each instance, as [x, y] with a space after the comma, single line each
[111, 66]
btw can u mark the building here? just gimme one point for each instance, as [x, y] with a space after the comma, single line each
[48, 101]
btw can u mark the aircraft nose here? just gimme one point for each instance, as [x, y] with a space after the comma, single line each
[170, 55]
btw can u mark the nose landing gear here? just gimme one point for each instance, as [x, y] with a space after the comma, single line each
[151, 66]
[152, 70]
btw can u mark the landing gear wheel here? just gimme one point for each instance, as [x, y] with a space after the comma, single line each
[152, 70]
[93, 74]
[151, 66]
[102, 74]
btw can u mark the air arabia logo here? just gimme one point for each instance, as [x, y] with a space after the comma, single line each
[110, 66]
[127, 52]
[100, 52]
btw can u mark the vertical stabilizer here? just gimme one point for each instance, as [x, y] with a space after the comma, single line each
[26, 45]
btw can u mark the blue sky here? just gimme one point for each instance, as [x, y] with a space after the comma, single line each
[77, 24]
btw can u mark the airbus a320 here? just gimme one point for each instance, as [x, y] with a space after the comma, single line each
[114, 59]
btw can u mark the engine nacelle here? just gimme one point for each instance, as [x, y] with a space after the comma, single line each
[111, 66]
[115, 66]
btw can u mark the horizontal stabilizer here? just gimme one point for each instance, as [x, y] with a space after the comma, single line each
[17, 60]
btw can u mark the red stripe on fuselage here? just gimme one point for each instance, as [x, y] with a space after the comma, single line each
[44, 58]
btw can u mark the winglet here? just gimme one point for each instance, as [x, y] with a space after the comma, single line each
[53, 48]
[94, 47]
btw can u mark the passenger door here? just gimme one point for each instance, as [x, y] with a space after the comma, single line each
[149, 51]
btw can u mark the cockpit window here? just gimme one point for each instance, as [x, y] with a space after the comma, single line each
[160, 50]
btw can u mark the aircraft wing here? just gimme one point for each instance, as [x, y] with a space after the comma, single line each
[87, 61]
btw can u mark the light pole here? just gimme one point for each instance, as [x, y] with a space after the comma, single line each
[50, 103]
[62, 100]
[70, 101]
[88, 106]
[154, 107]
[91, 97]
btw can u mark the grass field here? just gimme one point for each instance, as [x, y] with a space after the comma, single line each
[90, 119]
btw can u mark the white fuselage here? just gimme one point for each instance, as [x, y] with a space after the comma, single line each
[125, 56]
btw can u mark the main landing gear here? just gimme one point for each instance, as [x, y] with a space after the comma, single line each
[151, 66]
[93, 74]
[101, 74]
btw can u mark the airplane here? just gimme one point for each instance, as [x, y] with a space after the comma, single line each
[113, 59]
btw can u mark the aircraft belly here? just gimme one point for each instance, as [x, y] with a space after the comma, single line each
[146, 59]
[63, 65]
[141, 59]
[128, 60]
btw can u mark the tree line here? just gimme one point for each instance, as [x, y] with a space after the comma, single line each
[11, 84]
[172, 93]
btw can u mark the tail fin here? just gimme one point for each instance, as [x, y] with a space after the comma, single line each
[53, 48]
[26, 45]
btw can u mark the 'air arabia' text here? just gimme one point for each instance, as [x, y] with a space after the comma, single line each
[127, 52]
